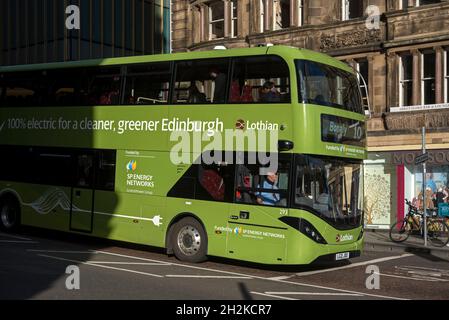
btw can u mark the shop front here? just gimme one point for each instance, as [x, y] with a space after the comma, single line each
[392, 177]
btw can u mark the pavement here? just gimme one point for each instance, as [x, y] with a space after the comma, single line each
[379, 241]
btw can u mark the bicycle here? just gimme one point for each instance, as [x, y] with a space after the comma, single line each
[437, 229]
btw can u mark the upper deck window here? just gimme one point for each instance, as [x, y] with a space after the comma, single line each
[261, 79]
[329, 86]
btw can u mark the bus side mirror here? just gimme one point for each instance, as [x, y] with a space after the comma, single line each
[285, 145]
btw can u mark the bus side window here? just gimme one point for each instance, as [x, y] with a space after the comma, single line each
[251, 73]
[253, 188]
[67, 87]
[105, 173]
[53, 167]
[104, 86]
[148, 83]
[24, 89]
[201, 81]
[85, 170]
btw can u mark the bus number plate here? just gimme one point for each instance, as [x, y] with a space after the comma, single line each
[342, 256]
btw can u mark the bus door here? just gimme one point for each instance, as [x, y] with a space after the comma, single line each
[82, 203]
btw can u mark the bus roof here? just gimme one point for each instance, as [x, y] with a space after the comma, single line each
[288, 53]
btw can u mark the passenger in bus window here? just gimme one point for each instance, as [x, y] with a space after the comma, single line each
[219, 79]
[268, 93]
[195, 96]
[267, 197]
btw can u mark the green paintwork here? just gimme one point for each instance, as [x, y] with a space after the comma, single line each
[139, 211]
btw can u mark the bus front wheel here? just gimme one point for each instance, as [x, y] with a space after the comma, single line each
[9, 215]
[189, 240]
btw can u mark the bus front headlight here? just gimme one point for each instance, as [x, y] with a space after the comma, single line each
[305, 227]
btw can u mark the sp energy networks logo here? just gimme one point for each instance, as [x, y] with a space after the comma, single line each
[342, 238]
[131, 166]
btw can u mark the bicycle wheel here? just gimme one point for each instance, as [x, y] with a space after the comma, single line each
[438, 233]
[400, 231]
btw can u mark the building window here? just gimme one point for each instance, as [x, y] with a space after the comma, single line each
[428, 77]
[446, 76]
[234, 15]
[300, 13]
[361, 65]
[352, 9]
[416, 3]
[262, 15]
[405, 80]
[281, 16]
[216, 20]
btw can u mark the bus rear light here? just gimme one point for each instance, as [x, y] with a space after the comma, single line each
[305, 227]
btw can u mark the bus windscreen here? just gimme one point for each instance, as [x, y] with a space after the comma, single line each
[331, 189]
[328, 86]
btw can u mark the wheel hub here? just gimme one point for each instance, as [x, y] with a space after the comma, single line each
[189, 240]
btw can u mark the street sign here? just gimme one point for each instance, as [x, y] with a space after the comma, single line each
[422, 158]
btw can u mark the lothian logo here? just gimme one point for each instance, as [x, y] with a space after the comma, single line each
[240, 124]
[346, 237]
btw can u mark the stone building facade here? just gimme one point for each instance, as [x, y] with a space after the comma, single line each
[401, 47]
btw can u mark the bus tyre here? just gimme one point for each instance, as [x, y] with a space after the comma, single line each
[189, 240]
[9, 215]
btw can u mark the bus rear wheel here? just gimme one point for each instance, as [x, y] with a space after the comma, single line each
[189, 240]
[9, 215]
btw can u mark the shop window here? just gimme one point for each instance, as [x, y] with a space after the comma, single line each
[352, 9]
[281, 14]
[436, 186]
[406, 80]
[428, 77]
[216, 20]
[148, 83]
[253, 75]
[201, 81]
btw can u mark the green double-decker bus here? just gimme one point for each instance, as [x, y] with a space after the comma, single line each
[253, 154]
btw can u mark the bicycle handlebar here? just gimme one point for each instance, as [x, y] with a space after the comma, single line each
[430, 212]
